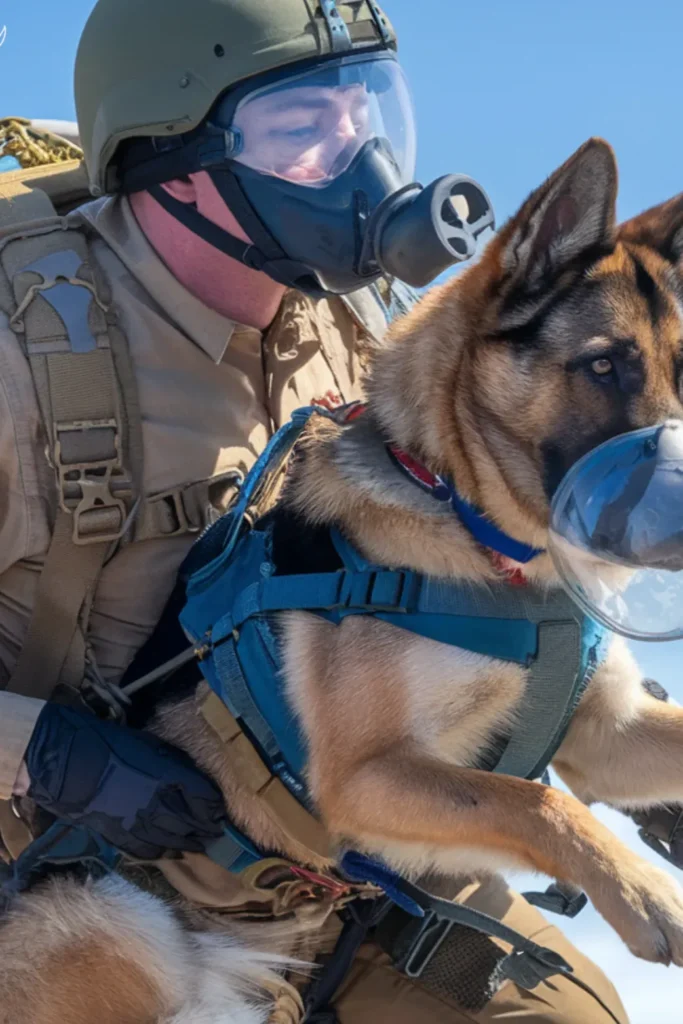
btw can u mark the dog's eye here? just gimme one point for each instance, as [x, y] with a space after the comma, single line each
[601, 367]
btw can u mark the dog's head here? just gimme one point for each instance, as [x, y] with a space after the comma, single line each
[567, 332]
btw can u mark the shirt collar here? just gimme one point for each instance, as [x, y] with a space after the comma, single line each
[112, 218]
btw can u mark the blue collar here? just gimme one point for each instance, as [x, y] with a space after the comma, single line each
[482, 529]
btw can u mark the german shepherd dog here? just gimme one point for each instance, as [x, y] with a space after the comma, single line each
[567, 332]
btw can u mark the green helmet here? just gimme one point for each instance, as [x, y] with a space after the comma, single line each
[156, 67]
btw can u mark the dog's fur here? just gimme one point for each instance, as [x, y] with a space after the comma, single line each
[499, 380]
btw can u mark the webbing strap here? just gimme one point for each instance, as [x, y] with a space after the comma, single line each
[534, 629]
[59, 307]
[74, 351]
[549, 699]
[253, 775]
[187, 509]
[65, 584]
[393, 594]
[527, 965]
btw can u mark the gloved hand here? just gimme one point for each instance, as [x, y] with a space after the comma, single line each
[141, 794]
[661, 828]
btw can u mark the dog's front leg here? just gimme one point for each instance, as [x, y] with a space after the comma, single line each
[624, 747]
[403, 803]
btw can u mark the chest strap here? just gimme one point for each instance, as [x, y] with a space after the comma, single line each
[534, 630]
[60, 309]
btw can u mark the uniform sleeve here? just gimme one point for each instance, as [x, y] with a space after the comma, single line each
[18, 716]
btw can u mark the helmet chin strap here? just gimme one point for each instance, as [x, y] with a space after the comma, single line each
[262, 254]
[219, 238]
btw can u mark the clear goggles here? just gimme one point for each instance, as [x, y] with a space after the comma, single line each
[616, 533]
[308, 128]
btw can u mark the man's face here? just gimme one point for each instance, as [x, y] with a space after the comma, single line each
[305, 135]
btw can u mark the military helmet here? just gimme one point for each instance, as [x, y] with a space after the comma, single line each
[156, 67]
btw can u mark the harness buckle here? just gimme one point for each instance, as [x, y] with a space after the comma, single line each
[175, 505]
[381, 590]
[85, 484]
[413, 945]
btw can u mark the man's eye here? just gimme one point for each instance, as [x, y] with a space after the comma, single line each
[307, 131]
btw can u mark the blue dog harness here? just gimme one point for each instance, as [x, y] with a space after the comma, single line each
[236, 585]
[239, 577]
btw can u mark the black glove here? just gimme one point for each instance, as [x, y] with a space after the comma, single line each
[141, 794]
[661, 828]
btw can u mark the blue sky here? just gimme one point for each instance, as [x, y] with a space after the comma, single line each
[505, 90]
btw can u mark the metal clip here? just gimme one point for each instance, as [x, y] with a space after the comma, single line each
[93, 478]
[173, 499]
[432, 931]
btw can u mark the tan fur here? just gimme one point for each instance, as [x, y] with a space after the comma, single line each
[485, 381]
[106, 953]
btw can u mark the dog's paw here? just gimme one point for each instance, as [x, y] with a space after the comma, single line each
[645, 906]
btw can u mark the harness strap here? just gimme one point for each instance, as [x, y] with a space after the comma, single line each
[54, 625]
[527, 965]
[359, 920]
[59, 306]
[551, 696]
[251, 772]
[388, 591]
[186, 509]
[67, 336]
[457, 613]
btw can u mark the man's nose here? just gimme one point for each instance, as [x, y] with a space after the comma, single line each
[346, 129]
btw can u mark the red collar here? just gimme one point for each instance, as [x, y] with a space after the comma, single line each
[511, 571]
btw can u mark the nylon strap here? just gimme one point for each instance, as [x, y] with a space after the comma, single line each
[59, 307]
[530, 627]
[393, 596]
[187, 509]
[527, 965]
[549, 699]
[64, 328]
[250, 771]
[65, 583]
[219, 238]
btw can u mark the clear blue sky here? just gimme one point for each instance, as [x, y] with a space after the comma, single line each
[505, 90]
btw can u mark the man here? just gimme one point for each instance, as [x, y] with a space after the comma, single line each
[243, 146]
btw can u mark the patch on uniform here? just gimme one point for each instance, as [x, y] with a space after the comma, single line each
[465, 969]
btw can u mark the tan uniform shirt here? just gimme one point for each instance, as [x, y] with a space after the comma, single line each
[210, 393]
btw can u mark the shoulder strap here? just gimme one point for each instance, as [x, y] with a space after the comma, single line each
[86, 395]
[58, 304]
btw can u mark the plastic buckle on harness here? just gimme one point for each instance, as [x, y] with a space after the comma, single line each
[85, 487]
[380, 590]
[173, 499]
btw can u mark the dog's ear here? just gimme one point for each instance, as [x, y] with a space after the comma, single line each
[660, 228]
[568, 219]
